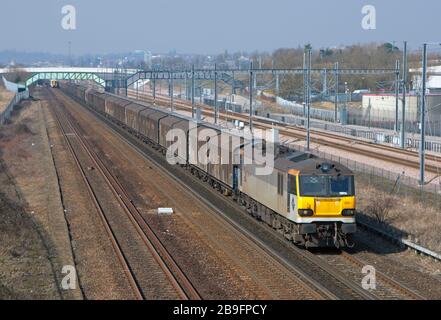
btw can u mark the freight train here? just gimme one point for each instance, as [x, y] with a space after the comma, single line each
[311, 201]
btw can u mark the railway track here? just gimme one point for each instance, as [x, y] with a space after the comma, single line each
[401, 290]
[258, 257]
[341, 142]
[307, 264]
[172, 271]
[115, 245]
[347, 145]
[352, 266]
[347, 268]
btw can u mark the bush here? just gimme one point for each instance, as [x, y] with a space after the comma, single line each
[382, 207]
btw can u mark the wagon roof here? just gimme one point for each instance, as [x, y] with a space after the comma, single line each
[170, 120]
[135, 107]
[146, 112]
[118, 101]
[156, 115]
[210, 126]
[182, 124]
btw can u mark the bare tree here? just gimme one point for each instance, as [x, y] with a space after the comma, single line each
[382, 207]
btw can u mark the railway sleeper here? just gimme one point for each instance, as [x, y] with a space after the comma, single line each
[291, 231]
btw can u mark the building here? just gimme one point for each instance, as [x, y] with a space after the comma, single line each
[433, 83]
[141, 57]
[382, 107]
[244, 62]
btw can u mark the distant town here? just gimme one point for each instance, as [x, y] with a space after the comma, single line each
[142, 59]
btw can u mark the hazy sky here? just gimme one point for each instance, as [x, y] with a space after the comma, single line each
[207, 26]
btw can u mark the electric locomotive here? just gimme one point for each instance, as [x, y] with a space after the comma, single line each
[310, 200]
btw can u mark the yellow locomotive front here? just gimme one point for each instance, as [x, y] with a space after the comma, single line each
[310, 200]
[324, 205]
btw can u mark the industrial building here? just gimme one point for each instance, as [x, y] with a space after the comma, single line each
[382, 107]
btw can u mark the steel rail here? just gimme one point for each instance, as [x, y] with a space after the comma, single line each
[171, 269]
[115, 245]
[384, 278]
[332, 272]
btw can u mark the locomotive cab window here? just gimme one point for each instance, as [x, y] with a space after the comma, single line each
[313, 186]
[292, 189]
[341, 186]
[292, 186]
[326, 186]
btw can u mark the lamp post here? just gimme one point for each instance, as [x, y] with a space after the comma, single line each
[192, 91]
[251, 96]
[308, 101]
[216, 110]
[423, 117]
[397, 92]
[154, 88]
[171, 91]
[403, 106]
[423, 113]
[336, 93]
[305, 80]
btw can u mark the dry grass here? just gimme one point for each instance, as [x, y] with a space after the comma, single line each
[407, 212]
[26, 267]
[327, 105]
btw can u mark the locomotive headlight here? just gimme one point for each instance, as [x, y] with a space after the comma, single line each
[305, 212]
[348, 212]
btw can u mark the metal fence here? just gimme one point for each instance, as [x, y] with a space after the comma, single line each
[384, 119]
[375, 135]
[299, 110]
[380, 119]
[224, 105]
[4, 116]
[389, 181]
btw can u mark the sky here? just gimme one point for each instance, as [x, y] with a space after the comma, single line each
[207, 26]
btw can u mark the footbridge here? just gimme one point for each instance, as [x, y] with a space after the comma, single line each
[106, 77]
[112, 79]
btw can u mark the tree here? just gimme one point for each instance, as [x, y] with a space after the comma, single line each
[357, 56]
[325, 53]
[390, 48]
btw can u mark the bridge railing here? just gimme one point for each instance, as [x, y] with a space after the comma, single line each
[4, 116]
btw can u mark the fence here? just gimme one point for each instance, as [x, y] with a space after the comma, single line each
[299, 111]
[376, 118]
[224, 105]
[11, 86]
[373, 134]
[389, 181]
[4, 116]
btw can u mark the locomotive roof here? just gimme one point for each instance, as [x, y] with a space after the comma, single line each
[308, 164]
